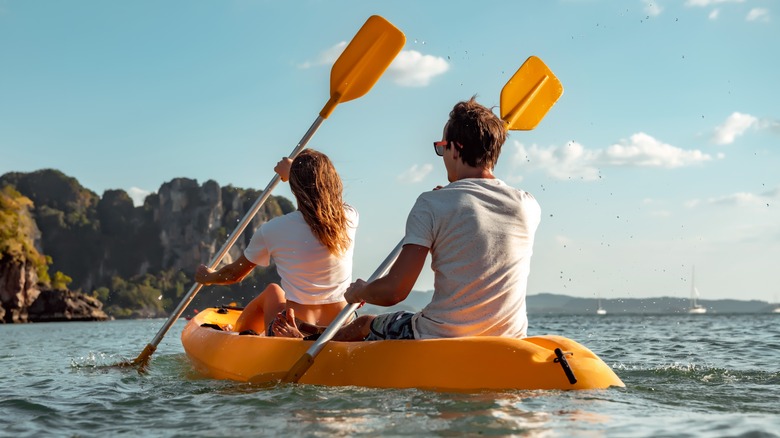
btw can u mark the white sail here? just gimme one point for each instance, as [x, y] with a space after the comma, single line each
[695, 308]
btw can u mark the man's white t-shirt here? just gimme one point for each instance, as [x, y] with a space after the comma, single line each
[480, 233]
[310, 273]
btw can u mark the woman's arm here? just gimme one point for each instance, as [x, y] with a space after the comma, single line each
[227, 274]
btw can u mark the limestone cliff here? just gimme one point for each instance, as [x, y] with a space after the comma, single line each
[125, 254]
[18, 289]
[27, 292]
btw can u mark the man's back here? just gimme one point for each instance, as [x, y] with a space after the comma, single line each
[480, 233]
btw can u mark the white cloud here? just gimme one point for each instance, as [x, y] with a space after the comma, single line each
[326, 57]
[744, 199]
[413, 69]
[652, 8]
[573, 161]
[735, 125]
[772, 194]
[772, 125]
[741, 198]
[714, 14]
[758, 14]
[409, 69]
[138, 195]
[642, 150]
[570, 161]
[416, 173]
[703, 3]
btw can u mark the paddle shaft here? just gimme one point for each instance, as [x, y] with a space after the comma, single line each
[152, 346]
[305, 362]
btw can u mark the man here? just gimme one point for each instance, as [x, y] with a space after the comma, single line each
[480, 234]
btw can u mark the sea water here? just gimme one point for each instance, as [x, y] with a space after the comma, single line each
[685, 375]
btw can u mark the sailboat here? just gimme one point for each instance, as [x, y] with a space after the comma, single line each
[696, 308]
[601, 310]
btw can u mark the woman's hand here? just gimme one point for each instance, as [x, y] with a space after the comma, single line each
[283, 168]
[203, 275]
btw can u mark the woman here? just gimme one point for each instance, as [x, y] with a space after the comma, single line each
[312, 248]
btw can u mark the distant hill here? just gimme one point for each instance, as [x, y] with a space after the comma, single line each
[552, 303]
[548, 303]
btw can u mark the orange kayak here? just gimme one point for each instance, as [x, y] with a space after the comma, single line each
[459, 364]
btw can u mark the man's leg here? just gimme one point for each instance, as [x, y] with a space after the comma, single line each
[356, 330]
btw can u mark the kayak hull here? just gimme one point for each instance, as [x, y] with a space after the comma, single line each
[459, 364]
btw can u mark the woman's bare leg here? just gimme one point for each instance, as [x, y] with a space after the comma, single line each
[262, 310]
[356, 330]
[286, 327]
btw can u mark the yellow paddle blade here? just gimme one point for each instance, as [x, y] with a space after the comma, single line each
[363, 61]
[529, 94]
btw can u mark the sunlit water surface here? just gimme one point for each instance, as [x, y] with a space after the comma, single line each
[697, 375]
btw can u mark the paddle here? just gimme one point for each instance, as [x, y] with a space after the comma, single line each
[525, 99]
[353, 74]
[528, 95]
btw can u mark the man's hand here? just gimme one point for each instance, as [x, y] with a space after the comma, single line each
[354, 291]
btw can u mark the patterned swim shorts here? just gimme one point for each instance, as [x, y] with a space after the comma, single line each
[396, 325]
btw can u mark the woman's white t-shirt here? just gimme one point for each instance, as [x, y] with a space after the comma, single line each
[310, 273]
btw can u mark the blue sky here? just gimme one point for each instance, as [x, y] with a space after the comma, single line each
[662, 153]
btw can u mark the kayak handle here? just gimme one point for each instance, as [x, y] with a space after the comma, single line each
[561, 358]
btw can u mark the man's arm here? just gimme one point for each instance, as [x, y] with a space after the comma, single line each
[396, 285]
[228, 274]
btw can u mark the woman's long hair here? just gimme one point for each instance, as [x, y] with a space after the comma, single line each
[318, 189]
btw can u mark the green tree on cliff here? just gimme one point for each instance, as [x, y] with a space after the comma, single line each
[17, 238]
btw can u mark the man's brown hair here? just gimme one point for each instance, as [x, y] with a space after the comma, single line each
[480, 133]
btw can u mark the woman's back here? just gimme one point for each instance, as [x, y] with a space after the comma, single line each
[310, 273]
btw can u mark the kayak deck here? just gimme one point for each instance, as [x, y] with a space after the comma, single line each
[471, 363]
